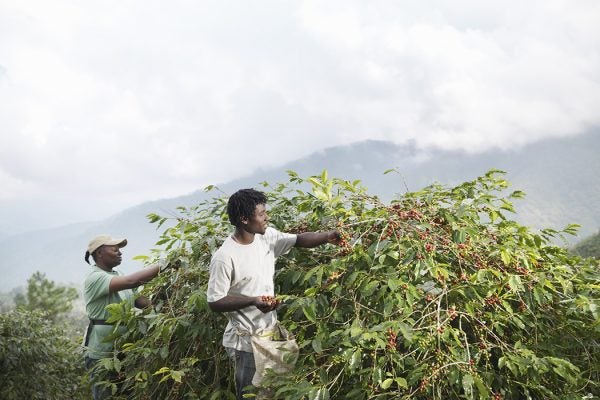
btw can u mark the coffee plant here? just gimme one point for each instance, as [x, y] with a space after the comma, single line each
[38, 359]
[437, 294]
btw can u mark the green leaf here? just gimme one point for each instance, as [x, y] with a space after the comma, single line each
[309, 312]
[484, 392]
[320, 194]
[467, 383]
[117, 364]
[355, 331]
[458, 236]
[517, 194]
[517, 321]
[564, 368]
[507, 306]
[392, 284]
[177, 375]
[515, 283]
[406, 331]
[572, 229]
[505, 256]
[164, 352]
[387, 383]
[355, 360]
[315, 182]
[401, 382]
[494, 215]
[321, 393]
[377, 375]
[162, 370]
[317, 345]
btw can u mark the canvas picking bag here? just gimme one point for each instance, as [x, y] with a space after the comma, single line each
[275, 349]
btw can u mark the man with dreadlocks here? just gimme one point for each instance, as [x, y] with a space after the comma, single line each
[241, 276]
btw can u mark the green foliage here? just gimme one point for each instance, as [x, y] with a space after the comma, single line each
[437, 295]
[45, 296]
[7, 301]
[589, 247]
[37, 359]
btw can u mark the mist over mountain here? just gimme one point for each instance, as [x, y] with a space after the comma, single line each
[560, 176]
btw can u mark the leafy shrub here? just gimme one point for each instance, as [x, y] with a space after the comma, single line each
[38, 360]
[435, 295]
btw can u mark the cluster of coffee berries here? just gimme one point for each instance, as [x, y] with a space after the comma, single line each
[300, 228]
[452, 313]
[392, 339]
[345, 248]
[342, 239]
[410, 214]
[522, 306]
[390, 229]
[492, 300]
[270, 301]
[333, 277]
[522, 270]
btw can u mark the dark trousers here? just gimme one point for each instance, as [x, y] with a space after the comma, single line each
[98, 392]
[244, 371]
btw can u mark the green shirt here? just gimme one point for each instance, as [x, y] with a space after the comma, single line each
[97, 297]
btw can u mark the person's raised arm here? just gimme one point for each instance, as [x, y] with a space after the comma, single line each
[133, 280]
[313, 239]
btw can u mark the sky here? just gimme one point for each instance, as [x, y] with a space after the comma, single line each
[107, 104]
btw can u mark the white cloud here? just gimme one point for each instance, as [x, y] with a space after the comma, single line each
[129, 101]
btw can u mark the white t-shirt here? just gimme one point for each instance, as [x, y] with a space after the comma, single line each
[247, 270]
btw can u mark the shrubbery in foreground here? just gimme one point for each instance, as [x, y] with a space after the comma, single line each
[39, 360]
[437, 294]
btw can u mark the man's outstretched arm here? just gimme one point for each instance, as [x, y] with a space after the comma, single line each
[314, 239]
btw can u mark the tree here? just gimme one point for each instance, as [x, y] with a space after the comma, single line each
[589, 247]
[37, 359]
[437, 294]
[7, 301]
[45, 296]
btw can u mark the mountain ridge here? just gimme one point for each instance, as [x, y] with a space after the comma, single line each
[560, 177]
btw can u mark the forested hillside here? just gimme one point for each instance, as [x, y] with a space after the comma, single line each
[589, 247]
[559, 176]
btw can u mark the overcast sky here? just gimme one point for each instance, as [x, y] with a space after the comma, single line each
[106, 104]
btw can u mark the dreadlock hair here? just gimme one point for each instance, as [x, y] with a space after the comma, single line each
[242, 204]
